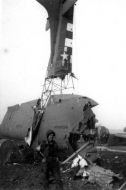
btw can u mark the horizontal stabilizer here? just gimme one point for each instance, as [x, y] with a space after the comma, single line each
[67, 5]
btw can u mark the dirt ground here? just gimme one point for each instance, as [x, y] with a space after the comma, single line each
[29, 176]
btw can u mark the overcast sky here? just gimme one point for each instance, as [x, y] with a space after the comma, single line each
[99, 59]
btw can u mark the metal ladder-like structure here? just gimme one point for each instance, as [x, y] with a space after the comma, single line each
[53, 86]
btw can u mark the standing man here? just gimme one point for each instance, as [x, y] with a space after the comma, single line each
[33, 130]
[37, 113]
[51, 161]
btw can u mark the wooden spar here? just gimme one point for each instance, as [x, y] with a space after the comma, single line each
[75, 153]
[123, 185]
[103, 148]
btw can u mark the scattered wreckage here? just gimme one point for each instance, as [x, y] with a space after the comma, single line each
[77, 165]
[90, 172]
[82, 163]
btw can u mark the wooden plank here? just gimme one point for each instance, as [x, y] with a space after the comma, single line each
[75, 153]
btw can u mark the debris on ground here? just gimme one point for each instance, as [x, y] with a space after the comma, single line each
[78, 172]
[101, 176]
[92, 173]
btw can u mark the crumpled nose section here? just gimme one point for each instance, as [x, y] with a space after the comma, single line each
[89, 102]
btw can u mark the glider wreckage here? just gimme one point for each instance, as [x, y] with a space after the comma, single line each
[69, 115]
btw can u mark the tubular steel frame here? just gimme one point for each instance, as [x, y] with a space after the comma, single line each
[54, 86]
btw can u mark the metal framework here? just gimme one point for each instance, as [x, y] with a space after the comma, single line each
[54, 86]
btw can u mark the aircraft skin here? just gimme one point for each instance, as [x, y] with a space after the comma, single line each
[60, 22]
[63, 114]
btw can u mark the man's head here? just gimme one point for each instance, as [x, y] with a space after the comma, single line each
[38, 101]
[50, 135]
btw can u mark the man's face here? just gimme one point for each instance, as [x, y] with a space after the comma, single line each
[51, 137]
